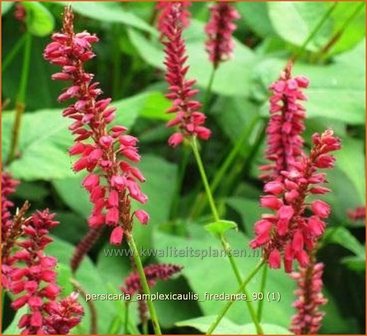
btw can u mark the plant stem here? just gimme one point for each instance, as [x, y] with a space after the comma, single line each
[225, 243]
[126, 321]
[227, 163]
[144, 284]
[262, 289]
[230, 303]
[13, 52]
[340, 32]
[20, 100]
[204, 178]
[208, 91]
[238, 275]
[314, 32]
[90, 303]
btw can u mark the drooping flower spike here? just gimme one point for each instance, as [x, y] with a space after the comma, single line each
[219, 29]
[153, 273]
[307, 320]
[288, 233]
[105, 151]
[286, 124]
[163, 9]
[188, 118]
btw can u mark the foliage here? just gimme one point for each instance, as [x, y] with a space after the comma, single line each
[129, 66]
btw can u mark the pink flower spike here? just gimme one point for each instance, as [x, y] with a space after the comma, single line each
[112, 216]
[142, 216]
[271, 202]
[116, 236]
[90, 181]
[175, 139]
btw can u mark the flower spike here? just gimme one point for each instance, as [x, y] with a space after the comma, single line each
[105, 152]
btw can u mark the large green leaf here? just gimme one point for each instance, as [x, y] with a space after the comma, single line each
[13, 329]
[256, 17]
[44, 136]
[109, 12]
[6, 6]
[295, 21]
[227, 327]
[217, 269]
[39, 20]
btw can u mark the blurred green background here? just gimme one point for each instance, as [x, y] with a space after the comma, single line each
[130, 69]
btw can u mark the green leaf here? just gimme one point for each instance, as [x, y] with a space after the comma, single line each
[160, 188]
[227, 327]
[6, 6]
[295, 21]
[220, 227]
[44, 138]
[355, 263]
[199, 264]
[255, 15]
[39, 20]
[73, 194]
[354, 169]
[64, 275]
[109, 12]
[340, 235]
[13, 329]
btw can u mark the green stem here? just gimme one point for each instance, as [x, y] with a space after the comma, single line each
[20, 100]
[230, 303]
[226, 165]
[340, 32]
[145, 327]
[208, 91]
[126, 321]
[204, 178]
[225, 244]
[238, 275]
[13, 52]
[144, 284]
[314, 32]
[262, 289]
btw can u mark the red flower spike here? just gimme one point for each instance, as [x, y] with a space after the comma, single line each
[289, 232]
[286, 124]
[188, 118]
[308, 318]
[219, 29]
[105, 152]
[164, 7]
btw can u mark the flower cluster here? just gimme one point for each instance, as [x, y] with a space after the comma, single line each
[219, 29]
[189, 120]
[30, 275]
[105, 152]
[307, 320]
[289, 232]
[153, 273]
[164, 7]
[286, 124]
[357, 214]
[20, 13]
